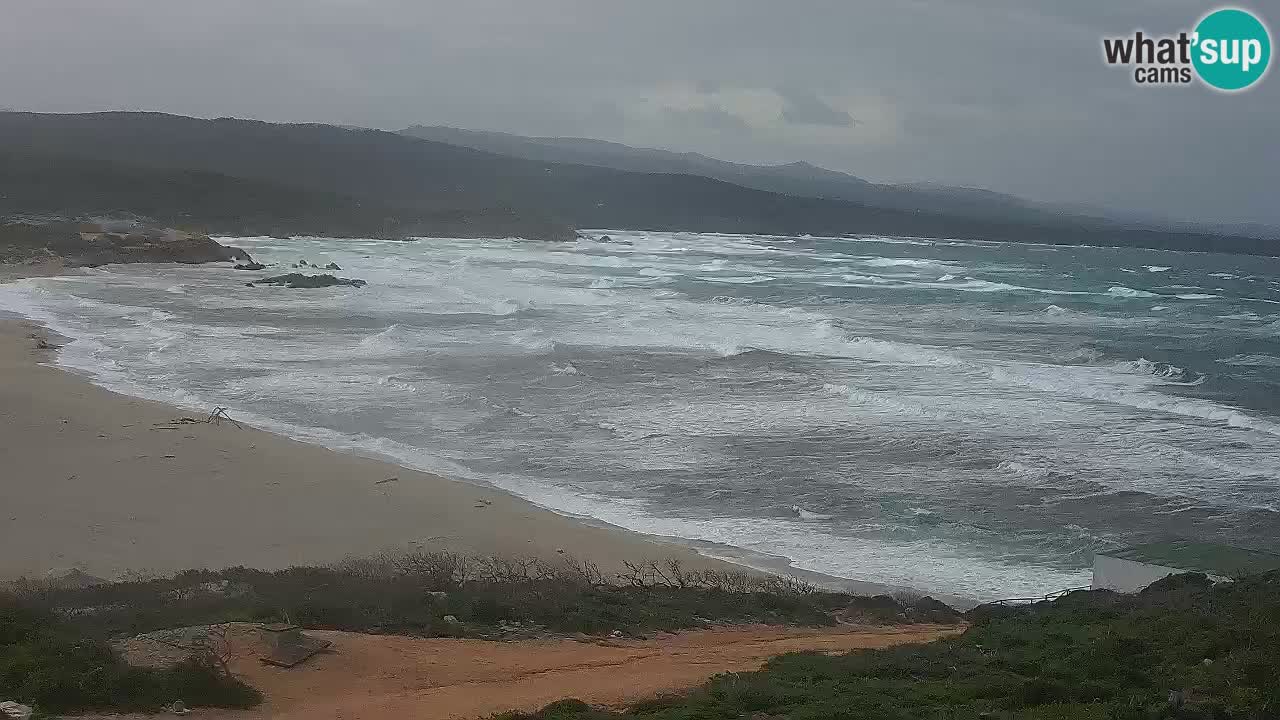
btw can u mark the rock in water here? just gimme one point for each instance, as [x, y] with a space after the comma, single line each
[332, 266]
[250, 266]
[298, 280]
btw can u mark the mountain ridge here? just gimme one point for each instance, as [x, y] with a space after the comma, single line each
[413, 182]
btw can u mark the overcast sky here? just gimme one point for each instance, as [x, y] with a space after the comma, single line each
[1006, 94]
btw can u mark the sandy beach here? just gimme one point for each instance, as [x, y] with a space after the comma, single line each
[110, 485]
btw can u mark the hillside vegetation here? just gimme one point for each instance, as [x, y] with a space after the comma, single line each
[54, 185]
[415, 185]
[47, 662]
[1183, 648]
[55, 651]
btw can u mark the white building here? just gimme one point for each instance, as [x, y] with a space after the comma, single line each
[1133, 568]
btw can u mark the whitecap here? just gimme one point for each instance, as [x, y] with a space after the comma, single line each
[809, 515]
[855, 277]
[1127, 292]
[1164, 371]
[566, 369]
[1157, 268]
[1022, 470]
[1252, 360]
[903, 262]
[739, 280]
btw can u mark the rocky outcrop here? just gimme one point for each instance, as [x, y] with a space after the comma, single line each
[298, 280]
[90, 245]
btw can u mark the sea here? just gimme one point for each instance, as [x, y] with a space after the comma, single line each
[965, 418]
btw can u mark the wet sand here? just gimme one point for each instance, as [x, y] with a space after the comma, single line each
[109, 484]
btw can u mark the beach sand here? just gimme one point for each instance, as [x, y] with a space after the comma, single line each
[108, 484]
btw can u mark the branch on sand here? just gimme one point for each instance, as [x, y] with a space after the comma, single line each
[216, 416]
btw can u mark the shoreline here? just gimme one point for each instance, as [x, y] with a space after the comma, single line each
[93, 489]
[450, 514]
[94, 492]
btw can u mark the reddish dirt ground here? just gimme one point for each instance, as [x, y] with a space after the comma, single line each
[372, 677]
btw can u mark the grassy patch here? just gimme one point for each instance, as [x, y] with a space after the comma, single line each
[1184, 648]
[448, 595]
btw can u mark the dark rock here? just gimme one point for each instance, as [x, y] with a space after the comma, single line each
[91, 244]
[298, 280]
[250, 266]
[332, 266]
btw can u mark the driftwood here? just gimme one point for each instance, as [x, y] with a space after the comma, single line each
[42, 343]
[216, 416]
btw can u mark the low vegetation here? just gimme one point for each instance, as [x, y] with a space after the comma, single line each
[46, 661]
[1184, 648]
[442, 594]
[55, 651]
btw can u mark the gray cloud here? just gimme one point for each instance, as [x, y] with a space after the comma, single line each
[1006, 94]
[805, 108]
[712, 117]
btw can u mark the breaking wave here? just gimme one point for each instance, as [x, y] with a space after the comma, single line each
[1121, 291]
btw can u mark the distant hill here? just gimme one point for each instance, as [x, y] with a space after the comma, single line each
[48, 185]
[292, 171]
[798, 178]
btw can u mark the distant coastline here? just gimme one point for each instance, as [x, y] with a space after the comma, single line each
[255, 178]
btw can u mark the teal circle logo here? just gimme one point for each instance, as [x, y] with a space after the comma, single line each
[1231, 49]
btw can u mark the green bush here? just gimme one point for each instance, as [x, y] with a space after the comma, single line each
[46, 663]
[54, 652]
[1086, 656]
[489, 597]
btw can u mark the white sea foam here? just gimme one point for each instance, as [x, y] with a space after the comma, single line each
[1127, 292]
[1252, 360]
[809, 515]
[459, 350]
[1202, 410]
[905, 262]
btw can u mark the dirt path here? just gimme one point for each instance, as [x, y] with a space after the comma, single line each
[369, 677]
